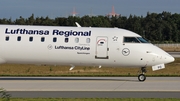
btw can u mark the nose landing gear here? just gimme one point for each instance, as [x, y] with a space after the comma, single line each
[142, 76]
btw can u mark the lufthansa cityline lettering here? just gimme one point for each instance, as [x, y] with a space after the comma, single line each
[46, 32]
[72, 48]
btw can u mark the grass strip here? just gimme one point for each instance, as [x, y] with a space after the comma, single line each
[171, 70]
[93, 99]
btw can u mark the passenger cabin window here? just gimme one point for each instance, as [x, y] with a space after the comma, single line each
[131, 40]
[42, 39]
[76, 40]
[54, 39]
[88, 40]
[31, 39]
[18, 38]
[7, 38]
[66, 40]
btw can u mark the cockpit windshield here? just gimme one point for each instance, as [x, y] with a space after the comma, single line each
[131, 40]
[142, 40]
[134, 40]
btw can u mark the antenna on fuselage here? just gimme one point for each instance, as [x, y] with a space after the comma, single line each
[77, 24]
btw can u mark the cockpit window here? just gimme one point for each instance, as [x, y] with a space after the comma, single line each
[130, 40]
[142, 40]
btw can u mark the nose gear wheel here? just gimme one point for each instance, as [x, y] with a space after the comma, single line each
[142, 76]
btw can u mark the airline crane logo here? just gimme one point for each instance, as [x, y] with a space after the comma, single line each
[125, 51]
[50, 47]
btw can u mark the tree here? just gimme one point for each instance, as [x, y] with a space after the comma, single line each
[30, 20]
[159, 28]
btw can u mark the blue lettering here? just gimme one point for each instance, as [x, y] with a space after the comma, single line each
[75, 33]
[64, 47]
[25, 31]
[55, 32]
[61, 33]
[46, 32]
[66, 34]
[81, 48]
[7, 31]
[71, 33]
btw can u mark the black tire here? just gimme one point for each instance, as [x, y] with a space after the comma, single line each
[141, 77]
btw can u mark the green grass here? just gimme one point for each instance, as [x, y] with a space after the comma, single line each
[93, 99]
[172, 69]
[170, 48]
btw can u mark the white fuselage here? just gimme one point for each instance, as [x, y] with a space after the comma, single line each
[76, 46]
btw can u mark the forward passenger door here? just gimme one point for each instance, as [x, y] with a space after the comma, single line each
[101, 47]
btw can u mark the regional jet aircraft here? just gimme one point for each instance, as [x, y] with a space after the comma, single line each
[79, 46]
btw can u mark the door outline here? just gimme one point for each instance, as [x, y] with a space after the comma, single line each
[102, 49]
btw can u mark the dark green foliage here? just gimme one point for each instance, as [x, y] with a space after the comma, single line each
[4, 95]
[159, 28]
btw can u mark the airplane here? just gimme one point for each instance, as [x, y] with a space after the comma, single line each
[79, 46]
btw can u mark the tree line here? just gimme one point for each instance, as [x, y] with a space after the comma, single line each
[158, 27]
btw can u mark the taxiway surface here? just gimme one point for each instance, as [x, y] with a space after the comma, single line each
[81, 86]
[175, 54]
[89, 84]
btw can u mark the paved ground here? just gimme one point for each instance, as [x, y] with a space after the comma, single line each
[89, 84]
[89, 87]
[175, 54]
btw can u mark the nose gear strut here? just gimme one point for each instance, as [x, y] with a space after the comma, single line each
[142, 76]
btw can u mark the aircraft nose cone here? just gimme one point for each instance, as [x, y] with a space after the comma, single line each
[171, 59]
